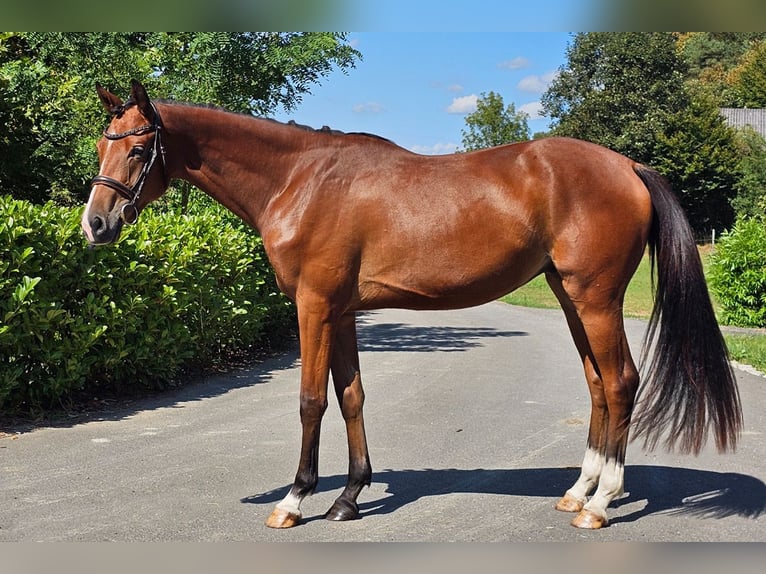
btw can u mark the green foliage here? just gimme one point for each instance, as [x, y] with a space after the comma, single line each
[492, 124]
[750, 199]
[244, 72]
[175, 290]
[48, 89]
[618, 90]
[748, 79]
[696, 151]
[711, 56]
[708, 51]
[53, 118]
[738, 275]
[748, 349]
[629, 92]
[639, 298]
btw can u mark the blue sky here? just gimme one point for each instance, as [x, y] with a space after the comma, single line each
[416, 87]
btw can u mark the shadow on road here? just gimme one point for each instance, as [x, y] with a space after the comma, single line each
[373, 337]
[410, 338]
[665, 489]
[118, 406]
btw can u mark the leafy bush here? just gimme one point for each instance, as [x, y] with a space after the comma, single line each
[176, 289]
[738, 274]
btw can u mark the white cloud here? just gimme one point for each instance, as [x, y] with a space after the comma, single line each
[369, 108]
[514, 64]
[436, 149]
[536, 84]
[533, 109]
[455, 88]
[463, 105]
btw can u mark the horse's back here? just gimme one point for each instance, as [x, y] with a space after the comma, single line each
[465, 229]
[396, 229]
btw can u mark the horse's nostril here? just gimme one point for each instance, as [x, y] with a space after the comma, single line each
[97, 224]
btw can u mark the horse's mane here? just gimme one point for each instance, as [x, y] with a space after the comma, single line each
[292, 123]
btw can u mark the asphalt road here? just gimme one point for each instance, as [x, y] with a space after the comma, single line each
[476, 423]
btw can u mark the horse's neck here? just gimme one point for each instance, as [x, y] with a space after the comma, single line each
[240, 162]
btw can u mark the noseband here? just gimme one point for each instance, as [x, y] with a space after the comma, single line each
[133, 193]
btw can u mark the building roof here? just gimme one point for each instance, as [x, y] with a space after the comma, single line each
[741, 117]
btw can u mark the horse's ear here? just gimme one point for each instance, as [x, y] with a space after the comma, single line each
[138, 95]
[112, 103]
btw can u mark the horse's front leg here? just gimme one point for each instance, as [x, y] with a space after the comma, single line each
[316, 331]
[348, 388]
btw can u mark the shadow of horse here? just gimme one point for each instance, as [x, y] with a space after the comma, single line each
[690, 492]
[381, 337]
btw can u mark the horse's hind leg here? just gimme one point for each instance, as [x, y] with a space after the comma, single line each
[597, 328]
[348, 388]
[576, 497]
[619, 379]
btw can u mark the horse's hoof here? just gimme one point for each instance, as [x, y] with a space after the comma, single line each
[282, 519]
[589, 520]
[569, 503]
[343, 510]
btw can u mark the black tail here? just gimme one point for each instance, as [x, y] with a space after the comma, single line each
[688, 384]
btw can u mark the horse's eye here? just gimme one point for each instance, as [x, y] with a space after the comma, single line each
[137, 151]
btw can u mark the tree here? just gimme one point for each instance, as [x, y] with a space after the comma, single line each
[17, 139]
[49, 81]
[47, 89]
[696, 150]
[750, 200]
[711, 57]
[245, 72]
[629, 92]
[617, 89]
[748, 79]
[492, 124]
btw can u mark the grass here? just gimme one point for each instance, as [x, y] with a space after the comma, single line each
[743, 348]
[638, 299]
[748, 349]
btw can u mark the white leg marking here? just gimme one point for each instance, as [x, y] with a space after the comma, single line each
[291, 504]
[592, 464]
[610, 486]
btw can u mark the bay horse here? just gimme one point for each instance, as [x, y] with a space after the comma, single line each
[353, 222]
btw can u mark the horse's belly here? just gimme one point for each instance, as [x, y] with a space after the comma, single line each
[433, 284]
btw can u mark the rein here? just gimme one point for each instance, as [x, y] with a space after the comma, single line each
[133, 193]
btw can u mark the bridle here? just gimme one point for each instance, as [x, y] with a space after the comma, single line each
[157, 150]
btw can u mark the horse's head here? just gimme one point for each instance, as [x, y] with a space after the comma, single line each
[132, 166]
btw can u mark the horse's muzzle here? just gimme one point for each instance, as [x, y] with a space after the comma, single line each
[100, 229]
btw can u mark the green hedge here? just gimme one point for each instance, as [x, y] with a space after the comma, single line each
[737, 274]
[174, 290]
